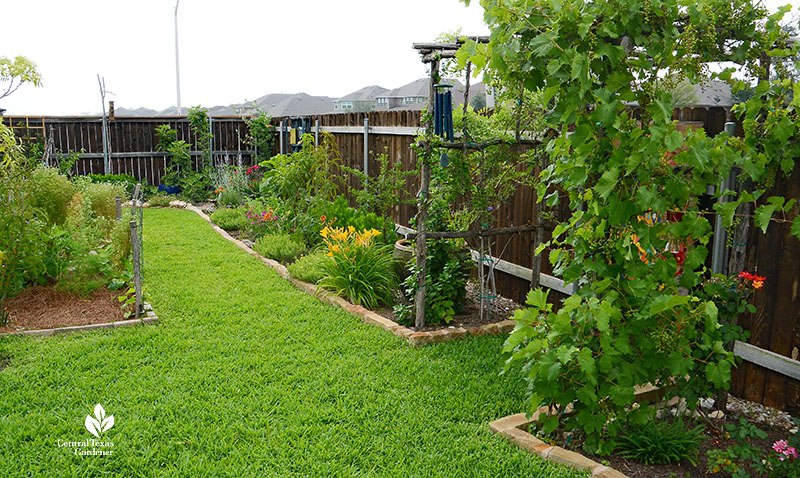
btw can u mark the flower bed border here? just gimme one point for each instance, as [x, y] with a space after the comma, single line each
[366, 315]
[514, 428]
[149, 318]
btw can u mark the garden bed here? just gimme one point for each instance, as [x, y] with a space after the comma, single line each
[414, 337]
[43, 311]
[470, 317]
[775, 424]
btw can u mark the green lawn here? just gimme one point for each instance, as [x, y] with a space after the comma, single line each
[247, 376]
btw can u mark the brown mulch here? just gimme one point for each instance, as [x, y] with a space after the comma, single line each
[46, 308]
[471, 314]
[714, 440]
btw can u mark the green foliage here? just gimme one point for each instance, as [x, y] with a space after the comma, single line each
[230, 183]
[102, 197]
[447, 272]
[261, 135]
[382, 193]
[308, 173]
[67, 163]
[338, 213]
[194, 184]
[280, 247]
[230, 219]
[589, 61]
[17, 72]
[128, 181]
[161, 200]
[51, 193]
[310, 267]
[662, 442]
[200, 126]
[358, 270]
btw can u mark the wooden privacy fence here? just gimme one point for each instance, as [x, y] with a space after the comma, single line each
[768, 376]
[132, 142]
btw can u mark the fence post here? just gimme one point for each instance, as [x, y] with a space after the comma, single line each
[137, 273]
[366, 147]
[133, 200]
[718, 252]
[106, 159]
[211, 141]
[280, 137]
[118, 201]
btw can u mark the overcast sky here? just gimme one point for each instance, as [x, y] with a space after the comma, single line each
[230, 50]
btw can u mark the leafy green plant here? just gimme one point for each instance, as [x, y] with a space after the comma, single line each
[742, 459]
[280, 247]
[310, 267]
[102, 197]
[198, 122]
[359, 270]
[128, 181]
[382, 193]
[340, 214]
[233, 219]
[632, 181]
[161, 200]
[67, 162]
[446, 280]
[662, 442]
[51, 192]
[310, 172]
[194, 185]
[230, 183]
[261, 135]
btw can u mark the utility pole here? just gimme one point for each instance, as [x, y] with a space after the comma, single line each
[177, 62]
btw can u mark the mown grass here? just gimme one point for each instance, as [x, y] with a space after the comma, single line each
[247, 376]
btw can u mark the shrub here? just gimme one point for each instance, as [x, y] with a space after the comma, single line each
[126, 180]
[229, 197]
[161, 200]
[102, 197]
[662, 442]
[280, 247]
[359, 270]
[230, 219]
[309, 268]
[51, 192]
[446, 278]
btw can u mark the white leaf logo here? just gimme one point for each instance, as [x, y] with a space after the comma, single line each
[100, 423]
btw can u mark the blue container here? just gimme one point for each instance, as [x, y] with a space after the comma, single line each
[169, 189]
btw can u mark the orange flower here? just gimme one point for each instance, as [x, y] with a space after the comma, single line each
[757, 284]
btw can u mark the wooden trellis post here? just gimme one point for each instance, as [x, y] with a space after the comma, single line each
[422, 202]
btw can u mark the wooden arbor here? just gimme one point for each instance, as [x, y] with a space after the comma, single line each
[433, 53]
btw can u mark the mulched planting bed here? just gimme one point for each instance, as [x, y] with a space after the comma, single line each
[46, 308]
[471, 315]
[775, 424]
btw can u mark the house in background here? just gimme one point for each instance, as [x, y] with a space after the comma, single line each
[359, 101]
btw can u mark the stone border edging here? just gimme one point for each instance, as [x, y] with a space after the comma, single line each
[514, 428]
[150, 317]
[366, 315]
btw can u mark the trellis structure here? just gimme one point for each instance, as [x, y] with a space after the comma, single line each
[432, 54]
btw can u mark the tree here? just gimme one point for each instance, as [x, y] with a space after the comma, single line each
[640, 313]
[478, 101]
[17, 72]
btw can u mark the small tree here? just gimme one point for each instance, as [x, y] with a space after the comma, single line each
[17, 72]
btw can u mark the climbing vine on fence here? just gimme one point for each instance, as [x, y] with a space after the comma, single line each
[633, 182]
